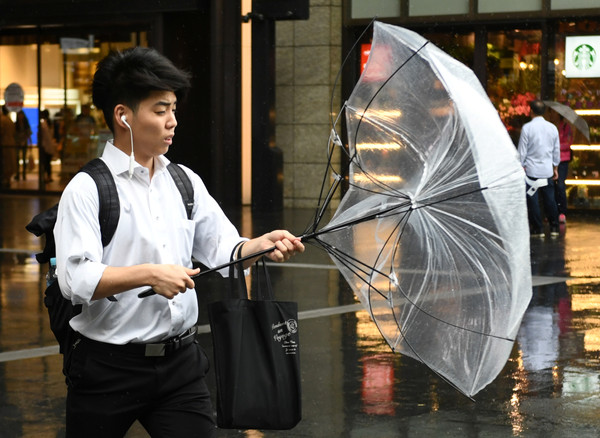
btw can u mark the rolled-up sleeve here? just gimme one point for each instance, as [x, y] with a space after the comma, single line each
[522, 147]
[79, 248]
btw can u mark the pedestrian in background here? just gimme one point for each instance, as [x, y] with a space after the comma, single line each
[539, 151]
[23, 140]
[48, 144]
[565, 135]
[8, 146]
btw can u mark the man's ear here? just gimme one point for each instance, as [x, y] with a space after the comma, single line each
[119, 112]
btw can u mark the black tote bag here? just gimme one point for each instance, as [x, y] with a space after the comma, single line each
[257, 357]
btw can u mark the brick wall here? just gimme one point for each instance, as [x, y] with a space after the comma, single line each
[308, 57]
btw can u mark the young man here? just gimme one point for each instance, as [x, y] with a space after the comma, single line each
[136, 358]
[539, 151]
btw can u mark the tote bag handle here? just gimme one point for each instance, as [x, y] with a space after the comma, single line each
[261, 280]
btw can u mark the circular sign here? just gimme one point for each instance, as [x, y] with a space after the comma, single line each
[584, 57]
[13, 97]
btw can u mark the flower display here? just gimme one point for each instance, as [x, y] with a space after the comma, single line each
[585, 98]
[515, 112]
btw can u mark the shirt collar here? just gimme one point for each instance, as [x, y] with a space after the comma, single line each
[119, 160]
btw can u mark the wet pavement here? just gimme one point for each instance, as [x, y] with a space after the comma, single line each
[353, 386]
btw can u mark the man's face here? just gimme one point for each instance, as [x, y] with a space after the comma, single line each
[154, 124]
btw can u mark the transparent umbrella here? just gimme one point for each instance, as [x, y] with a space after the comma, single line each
[432, 233]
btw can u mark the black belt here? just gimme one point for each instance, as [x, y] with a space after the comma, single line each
[164, 348]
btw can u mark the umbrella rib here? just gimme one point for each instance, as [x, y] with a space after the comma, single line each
[451, 198]
[337, 254]
[386, 188]
[344, 62]
[345, 258]
[420, 309]
[353, 222]
[355, 267]
[416, 306]
[319, 214]
[321, 210]
[437, 373]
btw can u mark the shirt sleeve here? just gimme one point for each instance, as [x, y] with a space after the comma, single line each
[556, 148]
[522, 148]
[78, 240]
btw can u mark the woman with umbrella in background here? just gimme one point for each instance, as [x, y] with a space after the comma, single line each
[565, 135]
[567, 117]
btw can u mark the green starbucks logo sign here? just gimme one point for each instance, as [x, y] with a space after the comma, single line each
[584, 57]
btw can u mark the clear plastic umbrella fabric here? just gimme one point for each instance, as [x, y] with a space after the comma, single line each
[432, 234]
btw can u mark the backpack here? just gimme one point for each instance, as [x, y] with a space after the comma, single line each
[60, 309]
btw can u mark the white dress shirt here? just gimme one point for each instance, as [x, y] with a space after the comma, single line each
[153, 228]
[539, 148]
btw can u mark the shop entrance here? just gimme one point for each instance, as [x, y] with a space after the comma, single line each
[57, 129]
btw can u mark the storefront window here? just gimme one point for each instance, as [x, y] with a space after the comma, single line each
[79, 124]
[513, 66]
[57, 93]
[18, 70]
[460, 46]
[581, 93]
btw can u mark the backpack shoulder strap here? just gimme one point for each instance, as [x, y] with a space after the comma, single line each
[109, 211]
[183, 183]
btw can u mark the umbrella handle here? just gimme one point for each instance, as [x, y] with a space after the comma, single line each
[150, 292]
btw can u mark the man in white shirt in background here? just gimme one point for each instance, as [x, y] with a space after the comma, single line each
[539, 151]
[113, 377]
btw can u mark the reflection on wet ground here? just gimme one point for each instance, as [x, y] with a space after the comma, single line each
[353, 386]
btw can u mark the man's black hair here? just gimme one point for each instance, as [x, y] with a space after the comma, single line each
[538, 107]
[128, 77]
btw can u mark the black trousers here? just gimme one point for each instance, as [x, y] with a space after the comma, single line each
[109, 389]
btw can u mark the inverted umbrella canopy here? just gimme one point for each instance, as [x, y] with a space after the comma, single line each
[569, 114]
[432, 234]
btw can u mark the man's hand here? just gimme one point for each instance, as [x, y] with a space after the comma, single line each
[170, 280]
[286, 245]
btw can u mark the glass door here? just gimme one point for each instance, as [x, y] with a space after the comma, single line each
[19, 118]
[55, 71]
[514, 75]
[77, 121]
[577, 86]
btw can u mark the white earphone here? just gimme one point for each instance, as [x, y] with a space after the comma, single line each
[131, 157]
